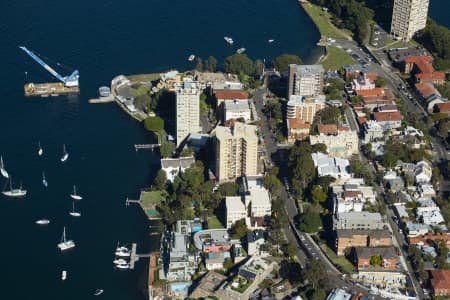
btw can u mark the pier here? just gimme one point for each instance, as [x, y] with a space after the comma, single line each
[134, 257]
[49, 89]
[146, 146]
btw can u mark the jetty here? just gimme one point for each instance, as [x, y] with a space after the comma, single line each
[134, 257]
[146, 146]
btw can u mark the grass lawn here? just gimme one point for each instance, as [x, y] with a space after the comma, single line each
[214, 223]
[336, 59]
[322, 21]
[341, 262]
[153, 198]
[143, 77]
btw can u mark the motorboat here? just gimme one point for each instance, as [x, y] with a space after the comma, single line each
[65, 244]
[120, 261]
[44, 181]
[64, 275]
[74, 195]
[271, 40]
[228, 40]
[14, 193]
[240, 50]
[43, 222]
[2, 168]
[65, 154]
[40, 150]
[191, 57]
[123, 266]
[74, 213]
[122, 253]
[98, 292]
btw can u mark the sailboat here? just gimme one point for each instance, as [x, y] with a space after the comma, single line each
[40, 150]
[44, 181]
[65, 244]
[98, 292]
[65, 154]
[2, 168]
[15, 193]
[43, 222]
[73, 213]
[64, 275]
[74, 195]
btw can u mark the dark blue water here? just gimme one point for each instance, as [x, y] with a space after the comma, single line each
[439, 11]
[102, 38]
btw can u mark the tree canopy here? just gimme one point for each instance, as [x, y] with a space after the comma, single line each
[239, 229]
[301, 167]
[282, 62]
[436, 38]
[310, 220]
[238, 64]
[154, 124]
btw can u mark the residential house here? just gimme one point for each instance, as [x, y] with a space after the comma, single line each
[235, 95]
[208, 285]
[440, 282]
[372, 131]
[215, 260]
[443, 108]
[363, 256]
[338, 294]
[416, 229]
[376, 97]
[182, 263]
[297, 130]
[423, 172]
[388, 120]
[352, 195]
[426, 190]
[425, 239]
[422, 69]
[340, 141]
[346, 239]
[362, 82]
[331, 166]
[173, 166]
[429, 215]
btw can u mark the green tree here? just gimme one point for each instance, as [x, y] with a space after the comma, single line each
[258, 67]
[238, 229]
[238, 64]
[318, 194]
[160, 181]
[376, 260]
[187, 152]
[361, 170]
[199, 65]
[273, 184]
[314, 272]
[310, 220]
[154, 124]
[212, 64]
[282, 62]
[318, 294]
[228, 264]
[228, 189]
[320, 147]
[389, 159]
[301, 167]
[380, 82]
[166, 149]
[291, 250]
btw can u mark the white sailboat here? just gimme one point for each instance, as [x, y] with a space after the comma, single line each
[64, 275]
[271, 40]
[40, 150]
[44, 181]
[75, 196]
[65, 244]
[123, 266]
[98, 292]
[65, 154]
[15, 193]
[2, 168]
[74, 213]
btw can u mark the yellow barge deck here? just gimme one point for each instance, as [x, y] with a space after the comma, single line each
[49, 89]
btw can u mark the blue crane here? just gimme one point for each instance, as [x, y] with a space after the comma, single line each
[69, 81]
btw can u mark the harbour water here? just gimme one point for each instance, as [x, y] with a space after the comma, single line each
[102, 39]
[439, 11]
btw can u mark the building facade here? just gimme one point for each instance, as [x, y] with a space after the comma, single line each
[408, 17]
[305, 80]
[236, 150]
[235, 210]
[187, 110]
[304, 108]
[340, 142]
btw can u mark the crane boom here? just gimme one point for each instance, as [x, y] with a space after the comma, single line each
[71, 80]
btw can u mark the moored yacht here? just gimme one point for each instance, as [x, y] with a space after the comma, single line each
[228, 40]
[65, 244]
[14, 193]
[43, 222]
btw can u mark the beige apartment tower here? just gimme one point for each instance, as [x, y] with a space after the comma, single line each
[187, 109]
[236, 150]
[305, 80]
[408, 17]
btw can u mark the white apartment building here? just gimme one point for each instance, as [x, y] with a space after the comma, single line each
[408, 17]
[305, 80]
[187, 109]
[340, 143]
[235, 109]
[261, 204]
[236, 150]
[235, 210]
[304, 108]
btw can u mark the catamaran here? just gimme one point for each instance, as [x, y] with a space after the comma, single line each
[43, 222]
[65, 244]
[65, 154]
[15, 193]
[74, 213]
[40, 150]
[2, 168]
[75, 196]
[44, 181]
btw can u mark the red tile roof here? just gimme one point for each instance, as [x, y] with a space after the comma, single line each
[378, 92]
[443, 107]
[362, 120]
[425, 89]
[387, 116]
[298, 124]
[433, 75]
[327, 128]
[372, 76]
[230, 94]
[440, 280]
